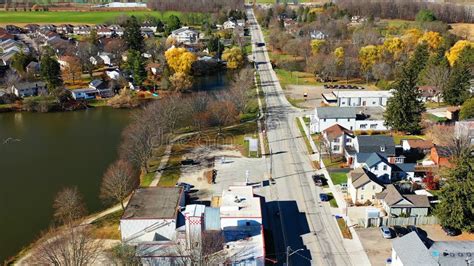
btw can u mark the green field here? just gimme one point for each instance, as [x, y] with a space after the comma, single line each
[72, 17]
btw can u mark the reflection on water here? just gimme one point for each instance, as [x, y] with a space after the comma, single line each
[53, 150]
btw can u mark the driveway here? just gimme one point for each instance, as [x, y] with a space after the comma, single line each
[377, 248]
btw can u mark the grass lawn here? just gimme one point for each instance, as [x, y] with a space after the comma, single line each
[146, 179]
[303, 134]
[107, 227]
[95, 17]
[338, 177]
[398, 138]
[335, 162]
[435, 118]
[295, 102]
[294, 77]
[6, 106]
[332, 201]
[97, 103]
[346, 233]
[432, 105]
[172, 171]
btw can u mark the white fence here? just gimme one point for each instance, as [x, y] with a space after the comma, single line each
[401, 221]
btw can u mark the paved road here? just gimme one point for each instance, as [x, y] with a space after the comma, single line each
[295, 215]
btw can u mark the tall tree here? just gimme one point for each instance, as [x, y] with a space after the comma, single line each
[50, 71]
[456, 89]
[404, 108]
[467, 109]
[20, 61]
[173, 24]
[93, 38]
[234, 57]
[136, 65]
[456, 201]
[118, 182]
[132, 35]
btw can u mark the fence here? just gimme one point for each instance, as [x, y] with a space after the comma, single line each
[401, 221]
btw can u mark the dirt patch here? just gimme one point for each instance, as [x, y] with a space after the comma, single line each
[463, 30]
[436, 233]
[378, 249]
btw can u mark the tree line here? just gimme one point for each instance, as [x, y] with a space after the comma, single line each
[407, 9]
[196, 5]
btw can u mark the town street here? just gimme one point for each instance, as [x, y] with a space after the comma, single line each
[296, 216]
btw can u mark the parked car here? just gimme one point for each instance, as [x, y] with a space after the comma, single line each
[412, 228]
[186, 187]
[399, 230]
[451, 231]
[318, 180]
[260, 44]
[323, 197]
[386, 233]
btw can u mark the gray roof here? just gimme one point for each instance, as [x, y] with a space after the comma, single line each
[379, 143]
[154, 203]
[212, 218]
[374, 158]
[83, 90]
[336, 112]
[411, 251]
[29, 85]
[404, 167]
[360, 177]
[392, 196]
[452, 253]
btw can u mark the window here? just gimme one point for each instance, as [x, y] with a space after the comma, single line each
[385, 167]
[376, 168]
[336, 140]
[363, 126]
[324, 120]
[335, 148]
[247, 223]
[373, 197]
[336, 119]
[373, 126]
[373, 187]
[374, 103]
[348, 140]
[382, 148]
[362, 188]
[343, 103]
[348, 120]
[362, 196]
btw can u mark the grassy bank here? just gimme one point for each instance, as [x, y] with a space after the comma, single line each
[338, 177]
[73, 17]
[303, 134]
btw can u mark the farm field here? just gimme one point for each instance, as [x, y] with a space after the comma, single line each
[73, 17]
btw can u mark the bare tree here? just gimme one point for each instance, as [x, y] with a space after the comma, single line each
[222, 113]
[137, 145]
[10, 79]
[118, 182]
[208, 251]
[68, 206]
[123, 254]
[457, 143]
[72, 247]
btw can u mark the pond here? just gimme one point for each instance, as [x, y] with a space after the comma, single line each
[45, 153]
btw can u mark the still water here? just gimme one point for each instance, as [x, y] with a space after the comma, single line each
[51, 151]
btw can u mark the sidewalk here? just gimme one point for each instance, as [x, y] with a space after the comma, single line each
[353, 246]
[163, 162]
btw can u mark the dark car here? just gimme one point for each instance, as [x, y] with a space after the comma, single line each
[399, 231]
[412, 228]
[186, 187]
[324, 197]
[318, 180]
[260, 44]
[451, 231]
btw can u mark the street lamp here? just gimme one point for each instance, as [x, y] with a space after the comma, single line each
[289, 253]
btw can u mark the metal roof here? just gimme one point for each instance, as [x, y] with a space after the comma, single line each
[212, 218]
[411, 251]
[336, 112]
[154, 203]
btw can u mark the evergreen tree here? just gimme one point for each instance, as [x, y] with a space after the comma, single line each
[456, 200]
[173, 24]
[456, 90]
[20, 61]
[50, 71]
[215, 46]
[93, 37]
[136, 65]
[404, 108]
[132, 35]
[165, 82]
[467, 109]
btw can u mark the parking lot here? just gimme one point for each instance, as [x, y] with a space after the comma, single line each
[379, 249]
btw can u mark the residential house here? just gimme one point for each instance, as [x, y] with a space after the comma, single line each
[147, 32]
[336, 138]
[65, 29]
[106, 58]
[464, 130]
[396, 204]
[47, 27]
[6, 58]
[413, 249]
[229, 24]
[417, 145]
[430, 94]
[101, 87]
[33, 68]
[351, 118]
[362, 185]
[152, 214]
[113, 74]
[441, 156]
[117, 29]
[364, 146]
[84, 94]
[105, 32]
[26, 89]
[96, 60]
[149, 25]
[362, 98]
[317, 35]
[31, 28]
[378, 165]
[81, 30]
[452, 113]
[185, 35]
